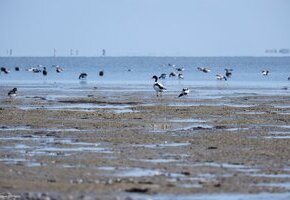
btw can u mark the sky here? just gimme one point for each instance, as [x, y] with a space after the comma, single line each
[144, 27]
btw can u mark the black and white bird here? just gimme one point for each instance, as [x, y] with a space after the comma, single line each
[158, 87]
[180, 76]
[44, 71]
[12, 93]
[172, 74]
[5, 70]
[180, 69]
[203, 69]
[58, 69]
[184, 92]
[221, 77]
[83, 76]
[162, 76]
[228, 73]
[265, 72]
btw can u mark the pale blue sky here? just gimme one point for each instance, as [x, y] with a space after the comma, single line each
[144, 27]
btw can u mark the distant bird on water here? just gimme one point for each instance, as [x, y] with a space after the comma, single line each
[184, 92]
[158, 87]
[17, 69]
[59, 69]
[172, 74]
[83, 76]
[203, 69]
[44, 72]
[5, 70]
[221, 77]
[101, 73]
[265, 72]
[12, 93]
[289, 78]
[162, 76]
[228, 73]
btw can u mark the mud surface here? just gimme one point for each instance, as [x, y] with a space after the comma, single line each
[133, 145]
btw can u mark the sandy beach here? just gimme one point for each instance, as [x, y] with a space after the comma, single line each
[133, 145]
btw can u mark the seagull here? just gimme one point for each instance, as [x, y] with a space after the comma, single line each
[12, 93]
[44, 72]
[158, 87]
[221, 77]
[83, 76]
[203, 69]
[228, 73]
[162, 76]
[184, 92]
[265, 72]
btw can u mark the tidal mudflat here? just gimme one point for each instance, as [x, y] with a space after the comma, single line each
[133, 145]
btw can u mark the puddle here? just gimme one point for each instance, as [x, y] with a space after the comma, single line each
[21, 161]
[156, 161]
[29, 128]
[135, 172]
[187, 120]
[235, 167]
[181, 144]
[194, 127]
[80, 107]
[250, 113]
[236, 129]
[215, 196]
[285, 185]
[277, 137]
[271, 175]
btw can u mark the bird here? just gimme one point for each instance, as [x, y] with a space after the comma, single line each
[83, 76]
[172, 74]
[221, 77]
[59, 69]
[184, 92]
[44, 72]
[158, 87]
[12, 93]
[228, 73]
[265, 72]
[289, 78]
[17, 69]
[203, 69]
[5, 70]
[180, 76]
[180, 69]
[101, 73]
[162, 76]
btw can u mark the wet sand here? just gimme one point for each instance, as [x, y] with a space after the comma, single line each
[133, 145]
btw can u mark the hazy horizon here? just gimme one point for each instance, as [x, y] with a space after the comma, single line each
[157, 28]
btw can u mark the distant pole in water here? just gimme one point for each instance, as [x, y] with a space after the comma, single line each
[10, 52]
[54, 52]
[71, 52]
[104, 52]
[77, 52]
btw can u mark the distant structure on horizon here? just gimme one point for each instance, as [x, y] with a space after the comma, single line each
[54, 52]
[104, 52]
[274, 51]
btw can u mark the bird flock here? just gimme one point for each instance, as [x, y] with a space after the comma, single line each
[177, 72]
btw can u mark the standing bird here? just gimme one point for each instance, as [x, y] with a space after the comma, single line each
[221, 77]
[265, 72]
[203, 69]
[228, 73]
[158, 87]
[44, 72]
[12, 93]
[184, 92]
[83, 76]
[5, 70]
[59, 69]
